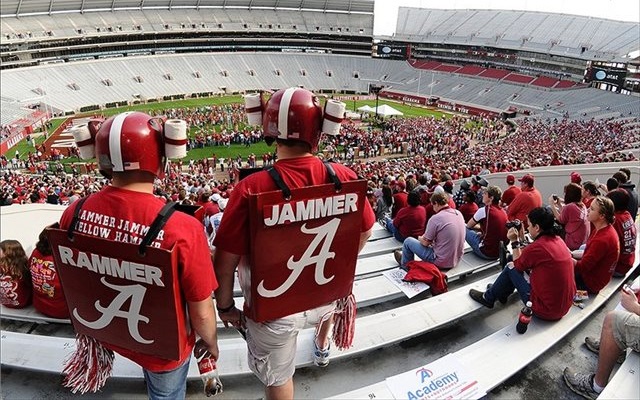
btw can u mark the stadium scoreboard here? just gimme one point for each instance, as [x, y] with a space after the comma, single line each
[396, 51]
[606, 75]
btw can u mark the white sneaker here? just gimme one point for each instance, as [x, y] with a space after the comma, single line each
[321, 357]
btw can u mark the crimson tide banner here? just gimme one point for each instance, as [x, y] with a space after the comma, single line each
[303, 249]
[120, 297]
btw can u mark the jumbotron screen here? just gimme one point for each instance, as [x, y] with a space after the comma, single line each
[611, 73]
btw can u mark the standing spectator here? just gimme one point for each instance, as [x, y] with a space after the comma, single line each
[48, 297]
[596, 265]
[410, 221]
[510, 192]
[619, 332]
[15, 281]
[486, 229]
[131, 139]
[292, 118]
[442, 243]
[547, 262]
[624, 176]
[626, 230]
[572, 215]
[526, 201]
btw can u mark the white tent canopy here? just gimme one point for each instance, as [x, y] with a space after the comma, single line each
[386, 111]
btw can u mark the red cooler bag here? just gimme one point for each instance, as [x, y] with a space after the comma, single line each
[303, 249]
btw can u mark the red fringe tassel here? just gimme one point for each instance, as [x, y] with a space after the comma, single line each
[344, 322]
[88, 367]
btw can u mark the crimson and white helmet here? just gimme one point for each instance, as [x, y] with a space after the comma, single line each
[130, 141]
[293, 113]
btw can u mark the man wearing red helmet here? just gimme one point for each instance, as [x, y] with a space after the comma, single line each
[131, 149]
[293, 119]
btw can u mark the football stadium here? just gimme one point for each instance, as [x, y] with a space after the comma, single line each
[448, 113]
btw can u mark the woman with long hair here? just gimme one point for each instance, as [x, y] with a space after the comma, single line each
[15, 280]
[384, 203]
[546, 260]
[48, 297]
[572, 215]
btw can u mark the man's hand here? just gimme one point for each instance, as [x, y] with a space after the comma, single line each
[629, 301]
[233, 317]
[203, 349]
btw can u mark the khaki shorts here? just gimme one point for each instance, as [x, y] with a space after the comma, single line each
[626, 330]
[272, 345]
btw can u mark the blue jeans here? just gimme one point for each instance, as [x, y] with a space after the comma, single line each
[508, 280]
[169, 384]
[394, 231]
[413, 246]
[474, 239]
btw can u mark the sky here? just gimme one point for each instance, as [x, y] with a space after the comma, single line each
[386, 11]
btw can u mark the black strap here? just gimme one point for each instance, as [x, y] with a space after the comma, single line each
[332, 175]
[277, 178]
[286, 192]
[156, 226]
[76, 216]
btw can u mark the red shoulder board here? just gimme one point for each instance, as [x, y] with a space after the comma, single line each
[119, 297]
[303, 249]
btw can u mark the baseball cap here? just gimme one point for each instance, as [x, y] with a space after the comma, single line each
[511, 179]
[576, 178]
[215, 197]
[481, 181]
[528, 179]
[222, 204]
[465, 185]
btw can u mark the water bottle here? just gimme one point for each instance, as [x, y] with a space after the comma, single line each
[524, 318]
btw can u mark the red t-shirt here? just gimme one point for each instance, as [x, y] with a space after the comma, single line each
[627, 234]
[48, 297]
[576, 225]
[233, 235]
[467, 210]
[182, 232]
[599, 258]
[14, 293]
[526, 201]
[399, 202]
[494, 229]
[509, 194]
[550, 266]
[411, 221]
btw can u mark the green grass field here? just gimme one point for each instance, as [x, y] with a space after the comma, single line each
[409, 111]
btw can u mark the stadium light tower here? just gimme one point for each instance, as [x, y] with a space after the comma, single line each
[376, 90]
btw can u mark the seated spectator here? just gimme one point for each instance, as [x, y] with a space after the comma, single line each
[589, 192]
[526, 201]
[510, 192]
[550, 286]
[48, 297]
[15, 280]
[459, 196]
[619, 332]
[623, 176]
[572, 215]
[478, 185]
[469, 207]
[442, 243]
[626, 230]
[594, 269]
[486, 229]
[399, 198]
[384, 203]
[410, 221]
